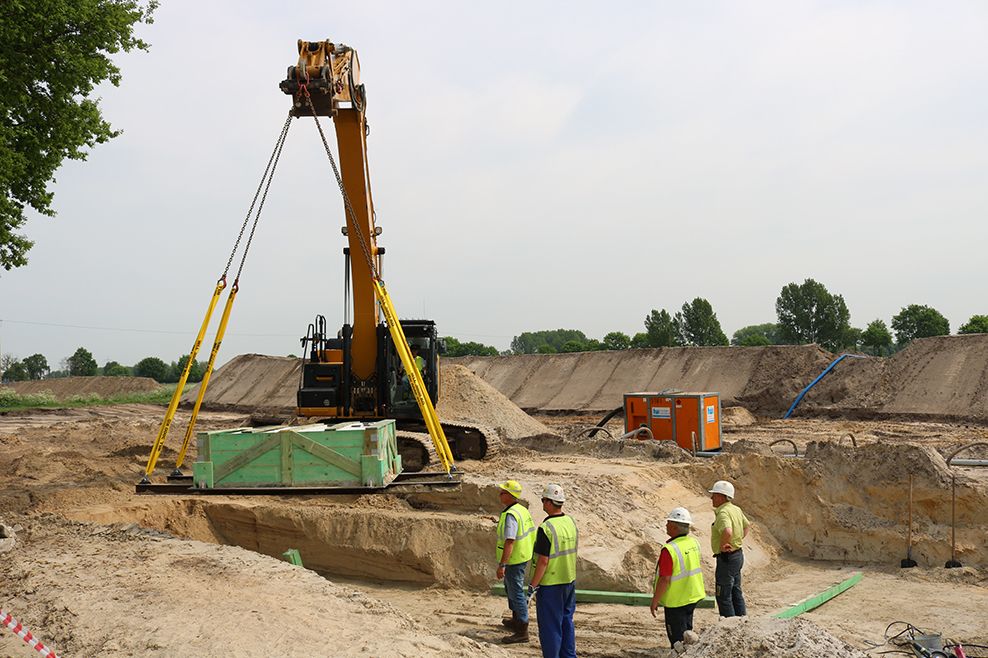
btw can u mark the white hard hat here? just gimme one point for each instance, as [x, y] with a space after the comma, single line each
[554, 492]
[680, 515]
[723, 487]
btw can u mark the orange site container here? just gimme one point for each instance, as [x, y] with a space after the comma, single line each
[676, 417]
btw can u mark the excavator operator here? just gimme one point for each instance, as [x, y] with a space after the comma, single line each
[419, 363]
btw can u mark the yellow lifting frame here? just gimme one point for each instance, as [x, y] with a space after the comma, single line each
[170, 414]
[220, 332]
[415, 377]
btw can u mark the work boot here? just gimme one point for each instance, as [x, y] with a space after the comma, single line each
[521, 634]
[511, 623]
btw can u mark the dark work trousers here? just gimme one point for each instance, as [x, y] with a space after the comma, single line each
[727, 576]
[678, 621]
[554, 607]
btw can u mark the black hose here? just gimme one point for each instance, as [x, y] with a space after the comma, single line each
[604, 421]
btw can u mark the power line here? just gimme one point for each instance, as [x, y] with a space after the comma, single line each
[140, 331]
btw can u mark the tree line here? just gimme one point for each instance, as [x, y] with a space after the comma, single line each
[805, 313]
[82, 364]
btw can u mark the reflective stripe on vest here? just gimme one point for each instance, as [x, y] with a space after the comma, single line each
[686, 584]
[524, 542]
[563, 537]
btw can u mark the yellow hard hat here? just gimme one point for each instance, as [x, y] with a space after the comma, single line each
[512, 488]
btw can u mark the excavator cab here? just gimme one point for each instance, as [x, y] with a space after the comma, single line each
[426, 348]
[329, 387]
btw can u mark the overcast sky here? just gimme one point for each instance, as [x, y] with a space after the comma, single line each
[535, 165]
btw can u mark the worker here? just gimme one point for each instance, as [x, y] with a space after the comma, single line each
[419, 363]
[554, 577]
[678, 578]
[515, 540]
[729, 529]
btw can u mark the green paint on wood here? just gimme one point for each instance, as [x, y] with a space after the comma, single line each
[346, 454]
[819, 599]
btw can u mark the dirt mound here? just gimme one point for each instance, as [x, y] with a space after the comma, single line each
[941, 378]
[752, 637]
[945, 377]
[764, 379]
[468, 398]
[737, 417]
[105, 387]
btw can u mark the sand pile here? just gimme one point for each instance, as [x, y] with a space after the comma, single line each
[744, 637]
[468, 398]
[105, 387]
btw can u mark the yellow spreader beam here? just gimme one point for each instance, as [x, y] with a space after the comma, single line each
[415, 377]
[173, 405]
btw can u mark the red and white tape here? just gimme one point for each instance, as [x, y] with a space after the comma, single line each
[25, 634]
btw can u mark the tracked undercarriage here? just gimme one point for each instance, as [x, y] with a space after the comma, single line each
[466, 441]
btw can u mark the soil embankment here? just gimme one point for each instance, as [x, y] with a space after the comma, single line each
[105, 387]
[942, 378]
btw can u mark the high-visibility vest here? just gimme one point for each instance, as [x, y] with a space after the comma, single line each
[525, 542]
[563, 540]
[686, 585]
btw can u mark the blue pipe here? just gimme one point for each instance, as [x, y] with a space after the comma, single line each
[829, 368]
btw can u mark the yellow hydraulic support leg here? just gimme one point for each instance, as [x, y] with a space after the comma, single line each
[415, 377]
[220, 332]
[170, 414]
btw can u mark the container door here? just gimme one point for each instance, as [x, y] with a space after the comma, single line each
[687, 421]
[660, 418]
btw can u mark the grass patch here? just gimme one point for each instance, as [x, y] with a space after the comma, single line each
[9, 399]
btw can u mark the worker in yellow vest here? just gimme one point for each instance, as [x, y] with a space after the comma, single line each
[406, 383]
[678, 579]
[515, 540]
[554, 577]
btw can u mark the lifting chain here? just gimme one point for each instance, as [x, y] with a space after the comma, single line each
[268, 176]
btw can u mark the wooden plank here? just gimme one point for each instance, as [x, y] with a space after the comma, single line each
[222, 470]
[287, 472]
[819, 599]
[326, 454]
[622, 598]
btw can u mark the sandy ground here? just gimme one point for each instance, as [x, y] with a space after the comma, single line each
[94, 569]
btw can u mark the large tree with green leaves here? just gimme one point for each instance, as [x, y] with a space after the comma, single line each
[82, 364]
[918, 321]
[52, 55]
[808, 313]
[617, 340]
[16, 372]
[531, 342]
[455, 348]
[697, 324]
[658, 327]
[768, 331]
[877, 337]
[152, 367]
[37, 366]
[978, 324]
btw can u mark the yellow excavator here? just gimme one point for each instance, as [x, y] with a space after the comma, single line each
[357, 373]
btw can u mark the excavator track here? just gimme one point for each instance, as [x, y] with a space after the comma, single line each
[466, 441]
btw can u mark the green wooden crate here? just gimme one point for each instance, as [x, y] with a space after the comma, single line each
[345, 454]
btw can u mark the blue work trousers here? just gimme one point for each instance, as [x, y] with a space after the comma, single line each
[727, 577]
[514, 589]
[554, 607]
